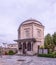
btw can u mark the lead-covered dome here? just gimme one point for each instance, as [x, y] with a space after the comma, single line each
[31, 21]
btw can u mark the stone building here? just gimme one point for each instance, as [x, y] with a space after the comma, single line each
[14, 45]
[5, 50]
[30, 36]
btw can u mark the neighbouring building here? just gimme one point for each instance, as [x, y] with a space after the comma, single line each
[4, 50]
[14, 45]
[30, 36]
[8, 47]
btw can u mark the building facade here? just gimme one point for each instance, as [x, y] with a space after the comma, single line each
[4, 50]
[14, 45]
[30, 36]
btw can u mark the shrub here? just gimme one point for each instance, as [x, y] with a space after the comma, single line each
[47, 55]
[11, 52]
[50, 51]
[41, 47]
[54, 53]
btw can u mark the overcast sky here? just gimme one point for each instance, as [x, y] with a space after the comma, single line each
[14, 12]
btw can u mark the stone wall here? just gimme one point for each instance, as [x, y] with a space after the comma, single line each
[6, 50]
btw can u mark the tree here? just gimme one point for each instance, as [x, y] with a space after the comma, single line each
[48, 41]
[54, 38]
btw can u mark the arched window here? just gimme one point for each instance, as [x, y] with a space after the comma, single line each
[38, 33]
[27, 32]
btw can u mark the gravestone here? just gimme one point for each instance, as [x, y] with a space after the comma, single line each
[45, 51]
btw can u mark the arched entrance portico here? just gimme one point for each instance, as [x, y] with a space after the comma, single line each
[26, 45]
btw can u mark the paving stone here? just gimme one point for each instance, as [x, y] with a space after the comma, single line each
[28, 60]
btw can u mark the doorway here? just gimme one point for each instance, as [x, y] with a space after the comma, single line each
[24, 48]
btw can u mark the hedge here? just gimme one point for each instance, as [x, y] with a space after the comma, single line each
[11, 52]
[47, 55]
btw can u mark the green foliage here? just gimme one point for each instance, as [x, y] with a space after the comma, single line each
[47, 55]
[10, 52]
[50, 51]
[41, 47]
[50, 55]
[48, 41]
[54, 38]
[54, 52]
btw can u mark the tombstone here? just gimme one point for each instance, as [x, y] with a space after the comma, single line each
[40, 51]
[45, 51]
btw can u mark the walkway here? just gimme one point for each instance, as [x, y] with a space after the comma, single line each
[26, 60]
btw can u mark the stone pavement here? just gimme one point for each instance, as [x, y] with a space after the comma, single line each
[26, 60]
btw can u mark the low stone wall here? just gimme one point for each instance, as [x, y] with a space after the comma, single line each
[6, 50]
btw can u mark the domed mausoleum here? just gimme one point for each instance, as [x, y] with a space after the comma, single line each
[30, 36]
